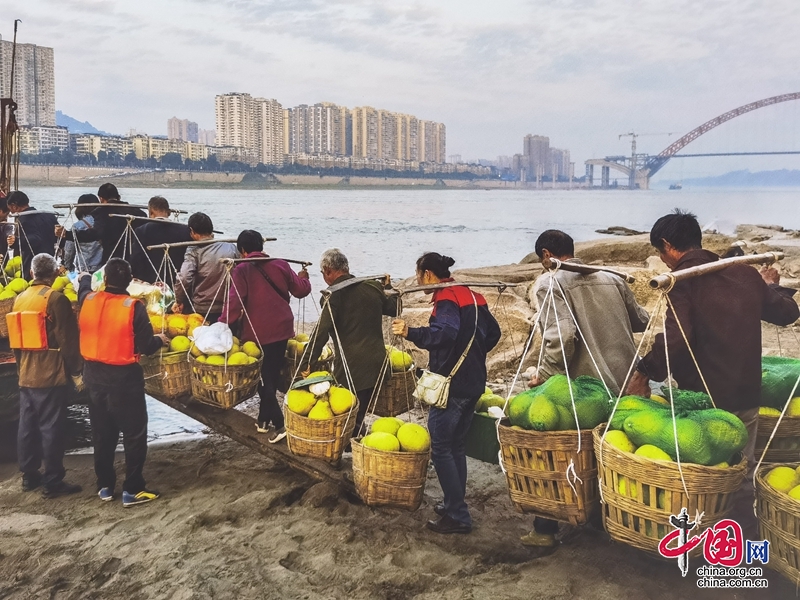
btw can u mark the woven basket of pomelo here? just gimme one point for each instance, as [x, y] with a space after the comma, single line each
[222, 383]
[641, 491]
[536, 464]
[390, 465]
[778, 511]
[785, 444]
[320, 425]
[167, 373]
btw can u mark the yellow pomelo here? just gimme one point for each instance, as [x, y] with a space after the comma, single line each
[234, 349]
[17, 285]
[202, 358]
[401, 361]
[177, 325]
[292, 348]
[722, 465]
[238, 358]
[661, 499]
[17, 274]
[71, 296]
[768, 411]
[321, 411]
[60, 283]
[157, 321]
[794, 407]
[180, 343]
[237, 341]
[251, 349]
[619, 440]
[341, 399]
[301, 337]
[215, 359]
[7, 294]
[251, 360]
[652, 452]
[795, 492]
[782, 479]
[194, 319]
[196, 351]
[413, 438]
[387, 425]
[659, 399]
[190, 329]
[318, 374]
[381, 441]
[300, 401]
[627, 487]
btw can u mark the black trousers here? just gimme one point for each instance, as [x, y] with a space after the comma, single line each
[41, 434]
[115, 410]
[363, 404]
[274, 357]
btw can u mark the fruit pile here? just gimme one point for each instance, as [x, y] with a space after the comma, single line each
[64, 284]
[296, 347]
[549, 407]
[778, 376]
[16, 284]
[786, 480]
[390, 434]
[706, 436]
[320, 401]
[239, 354]
[400, 361]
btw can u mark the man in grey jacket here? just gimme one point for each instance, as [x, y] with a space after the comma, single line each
[202, 273]
[590, 320]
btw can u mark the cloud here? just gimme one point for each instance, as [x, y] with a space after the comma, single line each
[581, 71]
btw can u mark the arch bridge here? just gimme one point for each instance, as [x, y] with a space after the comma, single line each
[639, 168]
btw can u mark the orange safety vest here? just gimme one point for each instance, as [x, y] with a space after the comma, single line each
[106, 324]
[27, 323]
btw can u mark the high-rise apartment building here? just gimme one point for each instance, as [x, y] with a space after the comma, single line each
[207, 137]
[432, 142]
[365, 132]
[559, 160]
[182, 129]
[234, 118]
[324, 128]
[268, 125]
[536, 153]
[34, 83]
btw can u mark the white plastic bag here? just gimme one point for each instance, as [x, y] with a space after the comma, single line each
[213, 339]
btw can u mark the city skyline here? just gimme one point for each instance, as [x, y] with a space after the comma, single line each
[582, 72]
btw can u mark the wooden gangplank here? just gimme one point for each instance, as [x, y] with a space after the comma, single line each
[242, 428]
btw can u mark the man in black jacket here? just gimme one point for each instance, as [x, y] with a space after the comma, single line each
[36, 232]
[115, 379]
[149, 265]
[107, 229]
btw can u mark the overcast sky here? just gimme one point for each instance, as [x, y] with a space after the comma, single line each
[579, 71]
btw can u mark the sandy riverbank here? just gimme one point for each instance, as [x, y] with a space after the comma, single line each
[234, 524]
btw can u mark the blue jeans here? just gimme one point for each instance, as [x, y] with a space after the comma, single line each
[448, 428]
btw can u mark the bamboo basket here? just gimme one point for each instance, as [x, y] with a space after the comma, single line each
[224, 386]
[389, 478]
[325, 440]
[779, 523]
[167, 374]
[6, 306]
[536, 463]
[653, 492]
[395, 397]
[785, 446]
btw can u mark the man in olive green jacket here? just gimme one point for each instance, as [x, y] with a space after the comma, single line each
[357, 312]
[45, 378]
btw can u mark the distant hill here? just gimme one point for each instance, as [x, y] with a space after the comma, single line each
[783, 177]
[76, 126]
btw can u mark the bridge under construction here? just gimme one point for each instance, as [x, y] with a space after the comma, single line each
[639, 168]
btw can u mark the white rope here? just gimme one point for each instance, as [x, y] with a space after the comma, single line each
[777, 424]
[672, 408]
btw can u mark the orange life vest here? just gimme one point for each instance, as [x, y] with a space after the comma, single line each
[27, 323]
[106, 324]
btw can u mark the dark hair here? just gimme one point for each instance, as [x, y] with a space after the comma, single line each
[436, 263]
[201, 224]
[680, 229]
[250, 241]
[3, 205]
[556, 241]
[18, 199]
[108, 191]
[81, 212]
[118, 273]
[158, 204]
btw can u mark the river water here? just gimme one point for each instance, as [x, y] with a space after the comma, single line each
[384, 231]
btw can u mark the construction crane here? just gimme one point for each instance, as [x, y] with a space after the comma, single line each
[635, 157]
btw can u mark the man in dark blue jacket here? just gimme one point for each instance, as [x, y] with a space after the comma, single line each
[36, 232]
[454, 328]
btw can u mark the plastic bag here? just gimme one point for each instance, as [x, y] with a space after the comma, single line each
[213, 339]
